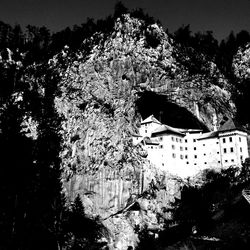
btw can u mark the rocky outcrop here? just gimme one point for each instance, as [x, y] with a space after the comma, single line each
[98, 104]
[241, 63]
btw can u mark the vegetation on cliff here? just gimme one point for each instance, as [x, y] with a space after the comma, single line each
[34, 212]
[211, 214]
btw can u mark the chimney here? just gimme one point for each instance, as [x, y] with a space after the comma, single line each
[215, 121]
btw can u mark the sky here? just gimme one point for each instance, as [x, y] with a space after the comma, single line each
[220, 16]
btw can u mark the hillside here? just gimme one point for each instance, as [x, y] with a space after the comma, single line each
[99, 103]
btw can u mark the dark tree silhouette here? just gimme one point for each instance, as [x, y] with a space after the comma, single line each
[119, 9]
[84, 232]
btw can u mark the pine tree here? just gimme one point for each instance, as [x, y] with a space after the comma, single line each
[17, 185]
[50, 201]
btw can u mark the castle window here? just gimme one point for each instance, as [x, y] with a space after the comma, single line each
[239, 139]
[204, 154]
[180, 140]
[224, 140]
[146, 131]
[152, 147]
[172, 138]
[231, 150]
[195, 156]
[186, 156]
[241, 157]
[217, 142]
[181, 148]
[174, 155]
[241, 149]
[218, 161]
[187, 162]
[173, 146]
[224, 150]
[230, 139]
[218, 152]
[195, 164]
[186, 140]
[194, 148]
[181, 156]
[162, 164]
[161, 146]
[161, 138]
[204, 145]
[194, 140]
[186, 148]
[226, 160]
[177, 140]
[205, 163]
[232, 160]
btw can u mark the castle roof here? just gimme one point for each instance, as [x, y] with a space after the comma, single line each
[165, 129]
[190, 130]
[230, 125]
[208, 135]
[150, 119]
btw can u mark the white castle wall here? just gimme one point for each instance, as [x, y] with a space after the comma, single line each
[187, 154]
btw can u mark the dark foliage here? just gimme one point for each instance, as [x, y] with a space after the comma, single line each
[17, 185]
[140, 14]
[228, 49]
[216, 202]
[203, 43]
[83, 232]
[120, 9]
[147, 240]
[33, 199]
[242, 100]
[34, 214]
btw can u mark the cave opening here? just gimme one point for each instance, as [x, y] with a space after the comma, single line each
[167, 112]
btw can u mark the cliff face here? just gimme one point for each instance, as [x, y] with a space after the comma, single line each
[98, 103]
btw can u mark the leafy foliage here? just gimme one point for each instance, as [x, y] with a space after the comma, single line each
[198, 204]
[147, 240]
[84, 232]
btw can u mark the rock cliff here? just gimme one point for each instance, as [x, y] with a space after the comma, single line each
[98, 103]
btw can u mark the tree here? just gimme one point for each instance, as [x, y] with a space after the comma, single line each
[34, 205]
[198, 204]
[183, 35]
[119, 9]
[17, 161]
[147, 240]
[18, 38]
[242, 38]
[206, 44]
[17, 186]
[49, 200]
[84, 232]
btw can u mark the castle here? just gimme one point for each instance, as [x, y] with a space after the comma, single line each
[185, 152]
